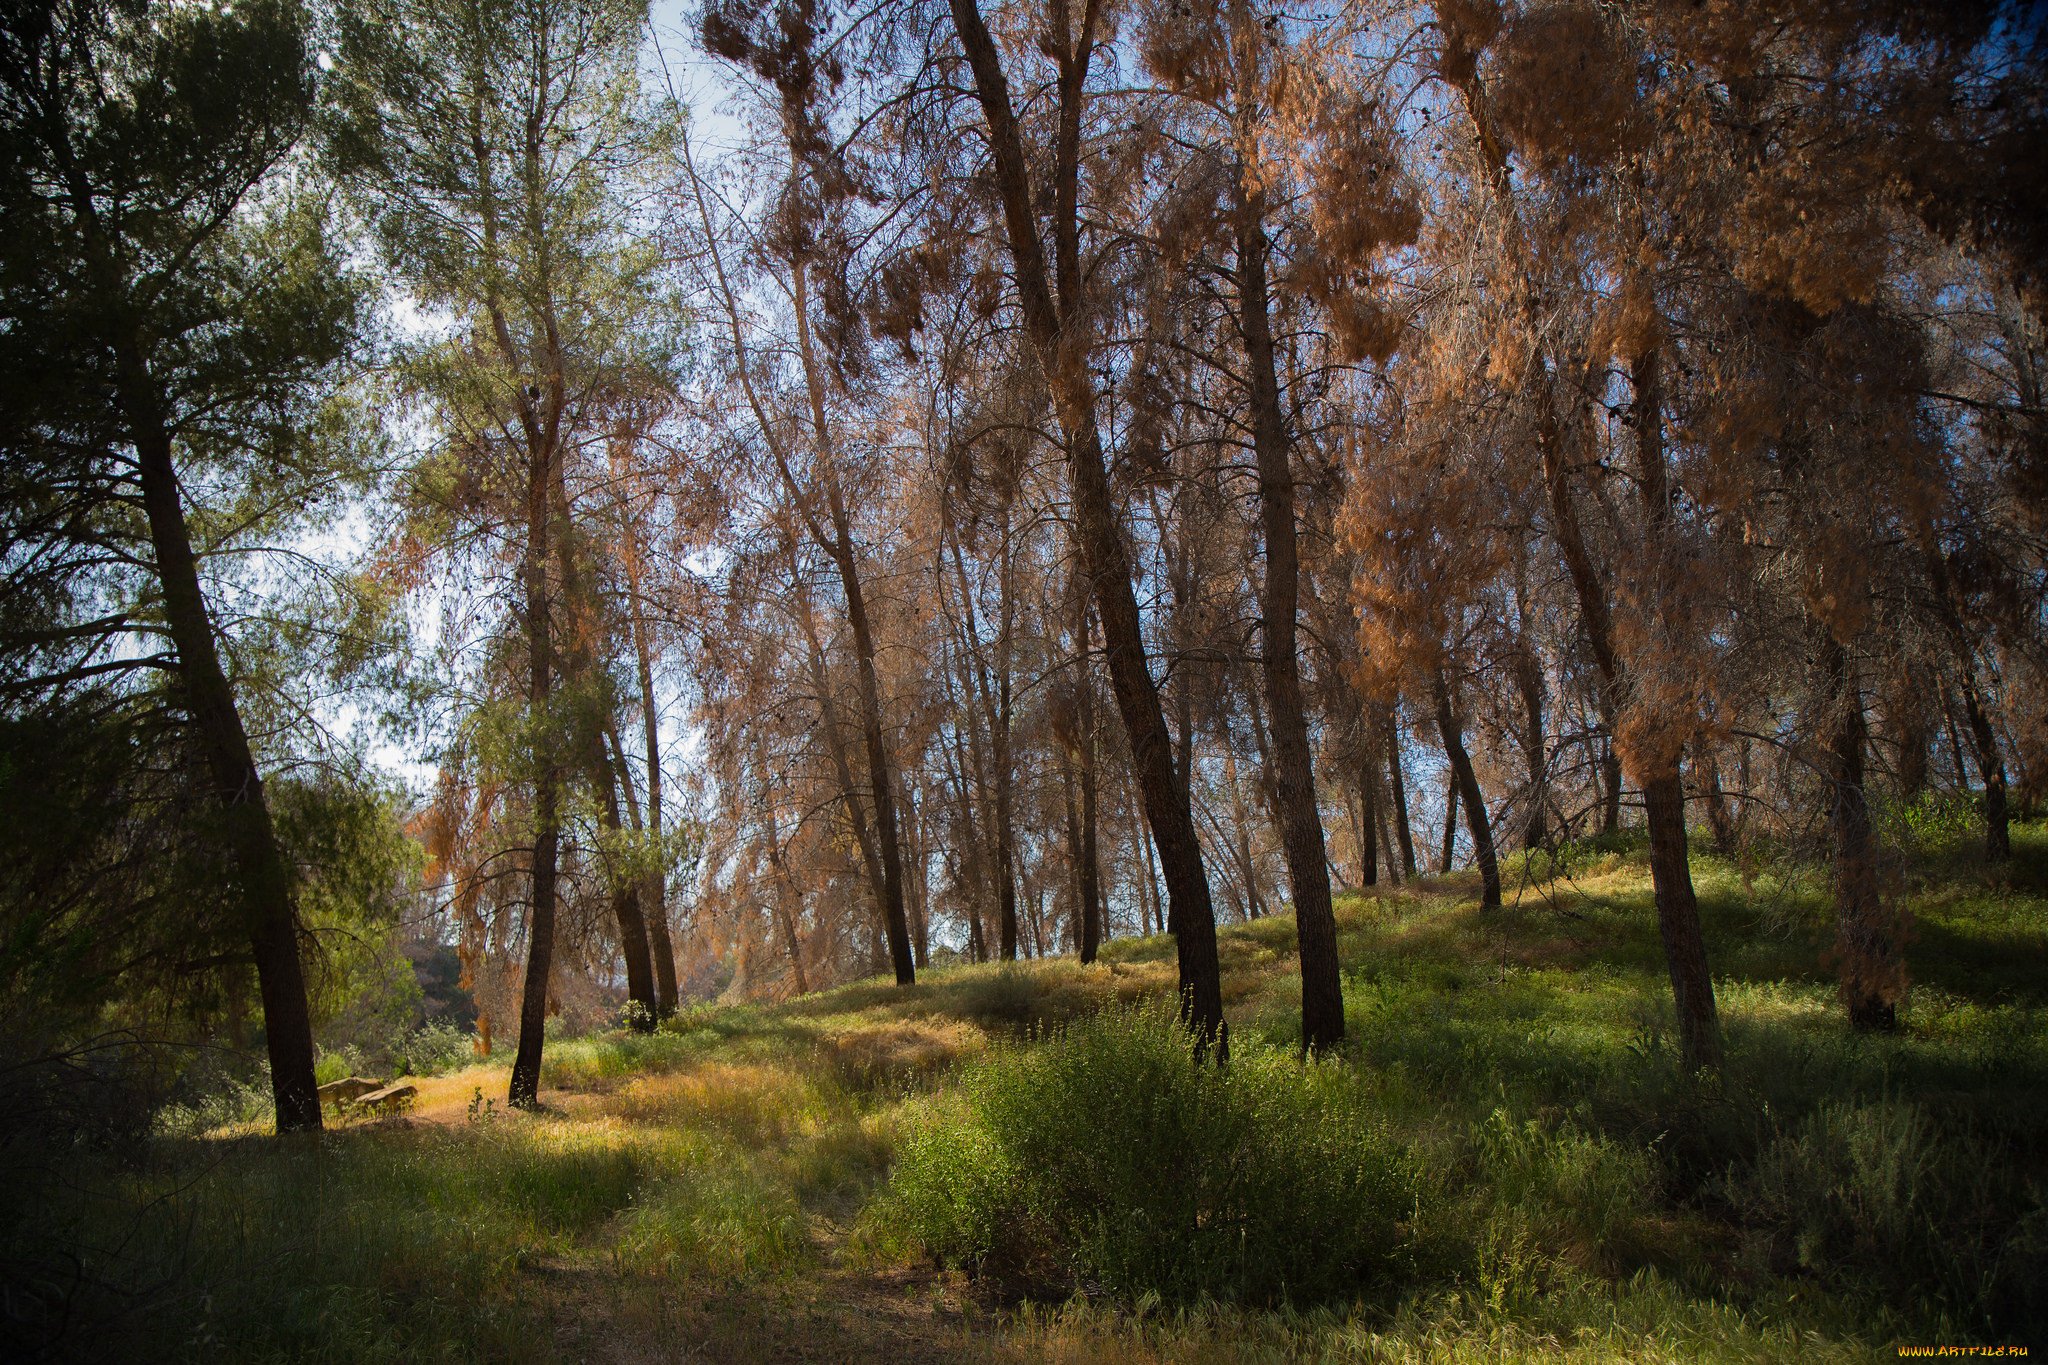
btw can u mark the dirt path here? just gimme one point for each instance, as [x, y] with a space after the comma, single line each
[833, 1312]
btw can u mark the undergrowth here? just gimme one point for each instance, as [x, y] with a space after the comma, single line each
[1504, 1160]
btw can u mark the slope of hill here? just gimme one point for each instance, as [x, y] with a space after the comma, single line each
[723, 1190]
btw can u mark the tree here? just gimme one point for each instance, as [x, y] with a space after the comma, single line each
[518, 226]
[157, 241]
[1052, 305]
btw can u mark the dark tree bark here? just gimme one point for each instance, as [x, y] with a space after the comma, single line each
[654, 895]
[1677, 909]
[1719, 817]
[626, 912]
[1369, 815]
[1443, 862]
[1983, 737]
[1906, 716]
[996, 701]
[1868, 957]
[1466, 785]
[540, 664]
[264, 877]
[1678, 914]
[1087, 852]
[1404, 834]
[786, 893]
[1529, 683]
[1610, 777]
[1293, 774]
[1059, 338]
[839, 545]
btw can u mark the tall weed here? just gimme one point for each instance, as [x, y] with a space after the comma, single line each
[1111, 1158]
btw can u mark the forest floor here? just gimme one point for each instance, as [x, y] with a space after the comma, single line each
[711, 1192]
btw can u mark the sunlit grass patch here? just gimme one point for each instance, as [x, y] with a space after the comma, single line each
[573, 1062]
[898, 1056]
[755, 1103]
[723, 1217]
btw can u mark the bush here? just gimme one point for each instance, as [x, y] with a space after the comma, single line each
[1111, 1158]
[1933, 822]
[434, 1047]
[1875, 1198]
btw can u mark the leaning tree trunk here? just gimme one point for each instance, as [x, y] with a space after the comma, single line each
[881, 773]
[1678, 912]
[1057, 337]
[1677, 909]
[263, 876]
[1294, 784]
[1467, 786]
[1867, 952]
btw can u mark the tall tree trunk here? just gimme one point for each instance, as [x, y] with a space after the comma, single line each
[654, 892]
[1088, 854]
[1404, 833]
[1443, 863]
[1867, 931]
[1467, 786]
[1293, 776]
[881, 773]
[974, 858]
[785, 892]
[263, 875]
[1386, 841]
[1529, 683]
[1719, 818]
[1678, 914]
[1983, 737]
[917, 886]
[1610, 767]
[835, 740]
[1368, 812]
[1058, 337]
[626, 912]
[1677, 910]
[1143, 873]
[1678, 920]
[524, 1091]
[996, 701]
[883, 851]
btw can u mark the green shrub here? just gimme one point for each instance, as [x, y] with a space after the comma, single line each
[721, 1218]
[1877, 1199]
[434, 1047]
[1111, 1158]
[1933, 822]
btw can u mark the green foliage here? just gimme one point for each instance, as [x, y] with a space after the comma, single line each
[1933, 822]
[722, 1218]
[1111, 1156]
[1881, 1201]
[433, 1049]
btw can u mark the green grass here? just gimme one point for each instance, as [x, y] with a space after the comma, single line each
[1504, 1161]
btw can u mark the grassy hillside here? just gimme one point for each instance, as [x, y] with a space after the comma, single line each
[1551, 1186]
